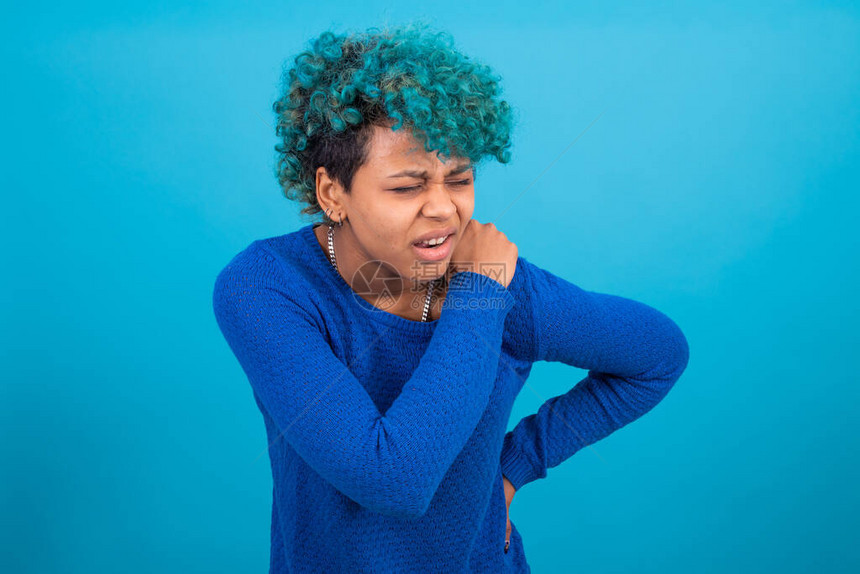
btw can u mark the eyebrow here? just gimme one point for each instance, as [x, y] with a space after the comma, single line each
[423, 174]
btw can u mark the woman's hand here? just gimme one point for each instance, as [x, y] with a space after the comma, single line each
[486, 250]
[509, 496]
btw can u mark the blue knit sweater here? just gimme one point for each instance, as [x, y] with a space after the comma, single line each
[387, 436]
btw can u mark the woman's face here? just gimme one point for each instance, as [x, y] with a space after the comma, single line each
[400, 195]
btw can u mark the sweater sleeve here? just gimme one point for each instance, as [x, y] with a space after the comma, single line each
[633, 354]
[390, 463]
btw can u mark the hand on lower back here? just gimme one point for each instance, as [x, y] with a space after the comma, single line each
[509, 496]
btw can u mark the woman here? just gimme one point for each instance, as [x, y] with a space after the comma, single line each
[385, 365]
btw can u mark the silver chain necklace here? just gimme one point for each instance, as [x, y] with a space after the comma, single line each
[333, 260]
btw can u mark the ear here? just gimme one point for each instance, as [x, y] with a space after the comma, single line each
[329, 195]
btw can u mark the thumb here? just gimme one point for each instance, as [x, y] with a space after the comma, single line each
[509, 497]
[508, 530]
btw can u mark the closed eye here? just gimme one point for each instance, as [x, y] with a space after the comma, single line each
[462, 182]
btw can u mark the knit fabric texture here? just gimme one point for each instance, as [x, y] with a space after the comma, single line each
[387, 436]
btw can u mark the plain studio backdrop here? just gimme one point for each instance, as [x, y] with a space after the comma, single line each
[699, 157]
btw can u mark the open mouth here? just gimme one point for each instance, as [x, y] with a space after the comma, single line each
[429, 246]
[434, 252]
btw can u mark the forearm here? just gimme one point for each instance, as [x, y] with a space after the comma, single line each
[633, 353]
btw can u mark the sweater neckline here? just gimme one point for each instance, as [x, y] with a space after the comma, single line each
[346, 291]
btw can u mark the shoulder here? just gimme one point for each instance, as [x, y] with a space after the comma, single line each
[520, 336]
[539, 294]
[262, 265]
[252, 265]
[521, 285]
[279, 260]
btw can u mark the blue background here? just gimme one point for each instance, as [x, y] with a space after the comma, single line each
[699, 157]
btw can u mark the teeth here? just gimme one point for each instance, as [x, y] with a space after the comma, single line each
[436, 241]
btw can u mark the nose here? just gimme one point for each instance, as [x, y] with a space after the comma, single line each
[439, 204]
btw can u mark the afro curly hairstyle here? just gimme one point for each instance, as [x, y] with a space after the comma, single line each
[403, 76]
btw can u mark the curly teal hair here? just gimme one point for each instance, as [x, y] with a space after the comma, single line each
[407, 76]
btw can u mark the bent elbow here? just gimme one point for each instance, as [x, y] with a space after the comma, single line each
[414, 509]
[397, 493]
[681, 355]
[409, 508]
[662, 376]
[675, 357]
